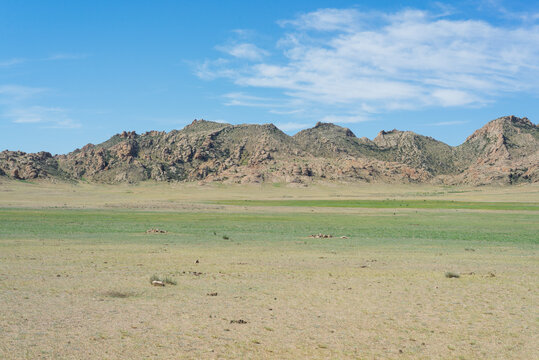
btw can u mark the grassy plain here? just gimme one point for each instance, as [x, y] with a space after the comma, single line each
[75, 264]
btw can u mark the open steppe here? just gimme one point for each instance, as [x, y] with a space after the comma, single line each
[76, 262]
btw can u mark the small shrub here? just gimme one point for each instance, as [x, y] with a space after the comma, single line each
[165, 280]
[119, 294]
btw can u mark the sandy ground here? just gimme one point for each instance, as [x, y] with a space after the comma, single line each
[84, 299]
[57, 301]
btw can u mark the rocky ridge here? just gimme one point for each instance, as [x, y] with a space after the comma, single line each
[504, 151]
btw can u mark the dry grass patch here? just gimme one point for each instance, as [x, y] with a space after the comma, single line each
[119, 294]
[452, 275]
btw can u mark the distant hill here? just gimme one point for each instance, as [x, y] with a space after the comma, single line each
[504, 151]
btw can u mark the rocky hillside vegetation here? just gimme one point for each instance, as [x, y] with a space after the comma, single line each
[504, 151]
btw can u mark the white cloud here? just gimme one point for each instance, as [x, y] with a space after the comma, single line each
[326, 20]
[16, 107]
[212, 69]
[58, 56]
[346, 61]
[50, 117]
[18, 92]
[243, 33]
[292, 126]
[244, 51]
[449, 97]
[286, 112]
[64, 124]
[347, 119]
[66, 56]
[220, 121]
[448, 123]
[242, 99]
[11, 62]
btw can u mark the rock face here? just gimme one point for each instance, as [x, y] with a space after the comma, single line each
[23, 166]
[505, 151]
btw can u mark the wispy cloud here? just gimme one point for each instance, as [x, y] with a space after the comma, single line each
[18, 102]
[11, 62]
[49, 117]
[326, 20]
[31, 115]
[213, 69]
[64, 124]
[9, 93]
[292, 126]
[244, 33]
[345, 61]
[448, 123]
[244, 51]
[16, 107]
[242, 99]
[345, 119]
[287, 112]
[59, 56]
[498, 5]
[66, 56]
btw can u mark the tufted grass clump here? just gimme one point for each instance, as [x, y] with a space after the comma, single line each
[165, 280]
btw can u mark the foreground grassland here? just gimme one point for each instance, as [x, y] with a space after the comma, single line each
[75, 264]
[389, 204]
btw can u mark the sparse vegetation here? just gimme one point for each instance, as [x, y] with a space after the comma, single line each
[164, 280]
[119, 294]
[383, 282]
[169, 281]
[389, 204]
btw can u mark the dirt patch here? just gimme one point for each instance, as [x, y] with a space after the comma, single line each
[321, 236]
[325, 236]
[195, 273]
[156, 231]
[119, 294]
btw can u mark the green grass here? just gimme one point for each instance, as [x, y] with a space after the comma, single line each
[258, 265]
[376, 227]
[389, 204]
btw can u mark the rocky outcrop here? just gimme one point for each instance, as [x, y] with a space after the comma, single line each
[416, 150]
[505, 151]
[27, 166]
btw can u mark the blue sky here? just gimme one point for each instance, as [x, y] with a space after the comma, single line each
[74, 72]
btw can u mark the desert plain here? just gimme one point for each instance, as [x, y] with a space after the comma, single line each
[409, 272]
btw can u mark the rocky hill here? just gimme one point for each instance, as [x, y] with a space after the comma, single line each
[504, 151]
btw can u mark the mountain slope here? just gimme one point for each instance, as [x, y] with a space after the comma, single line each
[504, 151]
[330, 140]
[416, 150]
